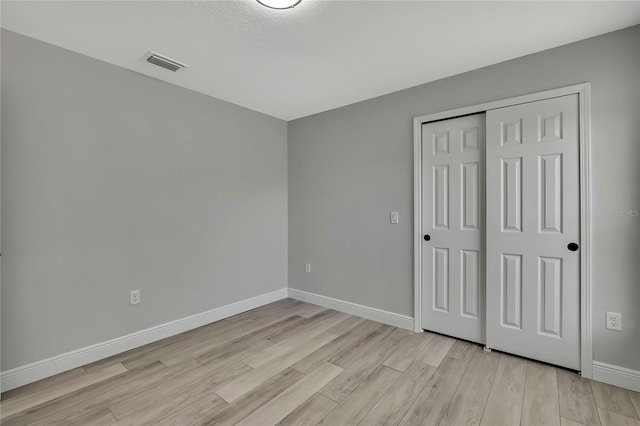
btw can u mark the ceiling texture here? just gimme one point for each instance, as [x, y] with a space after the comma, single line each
[318, 56]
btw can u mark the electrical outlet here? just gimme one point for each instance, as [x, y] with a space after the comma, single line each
[614, 321]
[134, 297]
[307, 268]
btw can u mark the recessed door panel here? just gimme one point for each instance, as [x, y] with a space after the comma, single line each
[470, 193]
[550, 299]
[441, 143]
[441, 279]
[511, 197]
[453, 215]
[511, 283]
[511, 132]
[469, 282]
[470, 139]
[441, 196]
[550, 190]
[550, 127]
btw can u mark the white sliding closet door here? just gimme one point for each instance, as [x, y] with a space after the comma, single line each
[533, 231]
[453, 223]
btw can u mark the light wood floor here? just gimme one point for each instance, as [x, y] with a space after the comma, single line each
[291, 363]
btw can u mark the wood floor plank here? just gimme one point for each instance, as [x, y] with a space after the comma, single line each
[504, 405]
[251, 401]
[282, 405]
[232, 351]
[635, 400]
[101, 417]
[612, 398]
[408, 350]
[357, 404]
[195, 412]
[310, 412]
[219, 332]
[329, 322]
[215, 339]
[285, 324]
[609, 418]
[436, 350]
[288, 325]
[576, 398]
[346, 325]
[99, 395]
[308, 310]
[351, 353]
[234, 390]
[148, 354]
[431, 404]
[292, 343]
[540, 404]
[23, 402]
[278, 309]
[324, 354]
[86, 415]
[468, 402]
[567, 422]
[175, 394]
[297, 326]
[393, 406]
[368, 362]
[461, 349]
[132, 354]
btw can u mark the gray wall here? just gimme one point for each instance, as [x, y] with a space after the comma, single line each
[350, 166]
[113, 181]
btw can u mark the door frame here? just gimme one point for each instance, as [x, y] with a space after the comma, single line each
[583, 90]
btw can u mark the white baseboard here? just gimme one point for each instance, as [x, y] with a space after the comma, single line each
[39, 370]
[374, 314]
[617, 376]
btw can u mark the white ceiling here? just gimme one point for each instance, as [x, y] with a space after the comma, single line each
[318, 56]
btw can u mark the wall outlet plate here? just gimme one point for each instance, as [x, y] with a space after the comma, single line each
[614, 321]
[134, 297]
[307, 268]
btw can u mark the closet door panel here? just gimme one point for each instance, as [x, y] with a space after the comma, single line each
[533, 282]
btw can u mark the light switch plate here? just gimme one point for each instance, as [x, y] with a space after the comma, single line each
[395, 217]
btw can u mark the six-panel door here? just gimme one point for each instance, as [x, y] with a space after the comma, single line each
[533, 214]
[453, 219]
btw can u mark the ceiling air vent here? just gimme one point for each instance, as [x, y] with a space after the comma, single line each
[164, 62]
